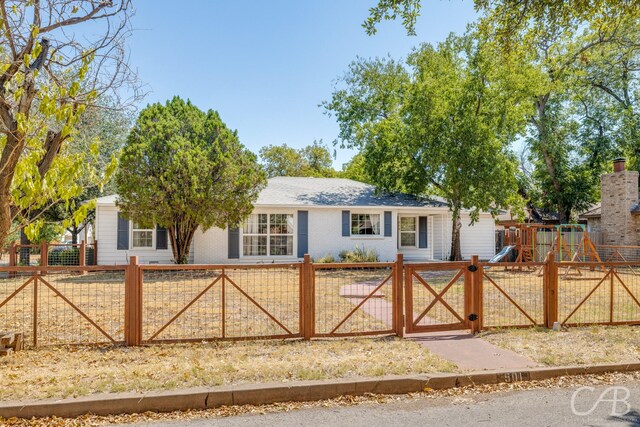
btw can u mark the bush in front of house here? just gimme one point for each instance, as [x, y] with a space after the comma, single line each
[359, 254]
[327, 259]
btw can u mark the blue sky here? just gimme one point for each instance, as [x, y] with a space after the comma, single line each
[266, 65]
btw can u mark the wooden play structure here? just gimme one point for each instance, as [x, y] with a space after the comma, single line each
[569, 242]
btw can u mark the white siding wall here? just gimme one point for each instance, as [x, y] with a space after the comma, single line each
[325, 237]
[479, 238]
[325, 234]
[107, 237]
[211, 246]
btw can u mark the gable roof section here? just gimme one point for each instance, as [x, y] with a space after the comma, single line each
[594, 212]
[334, 192]
[325, 192]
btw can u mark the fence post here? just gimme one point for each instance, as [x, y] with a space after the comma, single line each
[551, 290]
[44, 257]
[44, 254]
[12, 254]
[95, 252]
[475, 317]
[12, 259]
[132, 304]
[308, 299]
[82, 254]
[398, 304]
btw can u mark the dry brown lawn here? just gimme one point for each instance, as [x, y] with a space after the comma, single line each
[573, 346]
[76, 371]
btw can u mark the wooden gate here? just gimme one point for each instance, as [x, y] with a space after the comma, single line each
[438, 296]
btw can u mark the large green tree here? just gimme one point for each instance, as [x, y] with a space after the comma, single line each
[313, 160]
[52, 66]
[182, 168]
[441, 125]
[582, 58]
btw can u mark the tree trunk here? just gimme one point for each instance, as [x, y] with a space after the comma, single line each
[181, 235]
[456, 252]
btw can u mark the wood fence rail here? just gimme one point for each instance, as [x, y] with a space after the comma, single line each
[137, 304]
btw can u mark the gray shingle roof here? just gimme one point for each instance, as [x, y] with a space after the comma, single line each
[295, 191]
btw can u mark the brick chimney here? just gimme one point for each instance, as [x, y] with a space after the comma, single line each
[619, 194]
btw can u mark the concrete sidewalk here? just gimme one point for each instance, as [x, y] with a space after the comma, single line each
[470, 352]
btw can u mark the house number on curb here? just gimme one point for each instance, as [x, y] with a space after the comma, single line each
[512, 377]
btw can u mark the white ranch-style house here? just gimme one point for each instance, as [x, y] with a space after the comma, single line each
[294, 216]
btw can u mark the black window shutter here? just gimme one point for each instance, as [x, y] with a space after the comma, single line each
[387, 223]
[346, 223]
[123, 233]
[162, 240]
[234, 242]
[422, 232]
[303, 233]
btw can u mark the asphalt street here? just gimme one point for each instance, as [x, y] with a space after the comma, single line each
[599, 406]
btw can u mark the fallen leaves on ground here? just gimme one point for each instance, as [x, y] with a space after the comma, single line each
[462, 395]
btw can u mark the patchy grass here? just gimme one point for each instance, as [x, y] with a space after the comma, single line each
[574, 346]
[76, 371]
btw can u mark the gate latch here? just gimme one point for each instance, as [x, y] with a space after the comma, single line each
[473, 317]
[472, 268]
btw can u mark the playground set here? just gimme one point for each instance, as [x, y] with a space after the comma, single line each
[530, 243]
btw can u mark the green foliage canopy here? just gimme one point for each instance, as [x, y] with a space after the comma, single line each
[313, 160]
[440, 125]
[182, 168]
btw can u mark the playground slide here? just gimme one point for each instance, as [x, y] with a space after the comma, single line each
[502, 254]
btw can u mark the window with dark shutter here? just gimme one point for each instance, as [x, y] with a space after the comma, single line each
[422, 232]
[123, 233]
[303, 233]
[162, 238]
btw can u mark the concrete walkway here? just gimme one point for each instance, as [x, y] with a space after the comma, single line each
[470, 352]
[460, 347]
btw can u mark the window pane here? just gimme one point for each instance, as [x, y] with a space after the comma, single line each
[281, 224]
[408, 239]
[254, 245]
[365, 224]
[255, 224]
[142, 239]
[407, 224]
[281, 245]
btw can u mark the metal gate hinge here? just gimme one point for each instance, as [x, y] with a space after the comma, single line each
[473, 317]
[472, 268]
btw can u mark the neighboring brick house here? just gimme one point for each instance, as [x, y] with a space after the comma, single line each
[618, 214]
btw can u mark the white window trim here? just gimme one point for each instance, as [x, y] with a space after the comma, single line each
[381, 224]
[268, 234]
[142, 248]
[415, 232]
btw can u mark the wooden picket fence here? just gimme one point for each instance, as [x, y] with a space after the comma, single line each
[138, 304]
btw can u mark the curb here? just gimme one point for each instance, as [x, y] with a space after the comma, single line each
[299, 391]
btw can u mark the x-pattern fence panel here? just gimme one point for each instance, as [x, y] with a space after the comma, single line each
[220, 302]
[437, 296]
[355, 299]
[80, 306]
[513, 295]
[609, 295]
